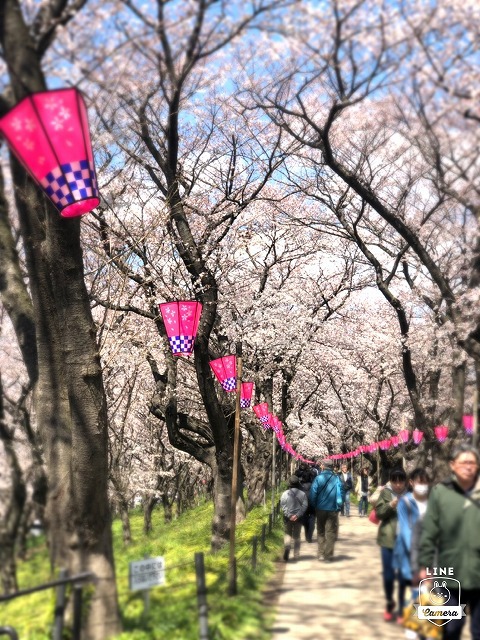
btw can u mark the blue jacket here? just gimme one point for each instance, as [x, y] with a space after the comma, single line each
[408, 514]
[327, 492]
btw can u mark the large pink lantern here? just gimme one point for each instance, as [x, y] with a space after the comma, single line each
[225, 370]
[48, 132]
[384, 444]
[468, 424]
[395, 440]
[441, 433]
[181, 320]
[404, 434]
[246, 395]
[417, 436]
[261, 411]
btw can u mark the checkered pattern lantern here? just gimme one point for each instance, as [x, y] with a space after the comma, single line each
[181, 320]
[246, 395]
[441, 433]
[261, 411]
[48, 132]
[468, 424]
[225, 370]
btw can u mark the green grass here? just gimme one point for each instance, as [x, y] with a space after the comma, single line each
[173, 607]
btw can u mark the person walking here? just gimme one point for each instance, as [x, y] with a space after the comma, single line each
[293, 503]
[346, 478]
[410, 508]
[451, 537]
[306, 477]
[386, 510]
[326, 496]
[361, 490]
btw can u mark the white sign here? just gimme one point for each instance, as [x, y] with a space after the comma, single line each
[144, 574]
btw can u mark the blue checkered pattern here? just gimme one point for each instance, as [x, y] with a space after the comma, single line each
[181, 345]
[229, 384]
[70, 183]
[244, 404]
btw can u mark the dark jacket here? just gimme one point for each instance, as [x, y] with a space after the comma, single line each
[327, 492]
[348, 481]
[451, 532]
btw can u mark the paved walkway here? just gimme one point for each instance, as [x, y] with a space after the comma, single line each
[341, 600]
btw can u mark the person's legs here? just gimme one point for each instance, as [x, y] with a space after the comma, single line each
[363, 506]
[321, 533]
[473, 599]
[347, 504]
[287, 539]
[296, 530]
[402, 586]
[388, 581]
[331, 528]
[453, 629]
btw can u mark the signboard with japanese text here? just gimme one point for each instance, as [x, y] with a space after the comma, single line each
[144, 574]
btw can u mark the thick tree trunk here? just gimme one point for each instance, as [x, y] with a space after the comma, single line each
[12, 509]
[126, 531]
[148, 506]
[69, 399]
[167, 508]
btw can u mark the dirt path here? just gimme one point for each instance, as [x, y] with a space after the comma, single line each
[341, 600]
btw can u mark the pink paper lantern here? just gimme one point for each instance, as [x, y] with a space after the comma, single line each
[246, 395]
[181, 320]
[404, 435]
[225, 370]
[417, 436]
[384, 444]
[261, 411]
[277, 425]
[48, 132]
[395, 440]
[441, 433]
[468, 424]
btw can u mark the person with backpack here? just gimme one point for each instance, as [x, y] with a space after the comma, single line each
[293, 504]
[326, 497]
[306, 477]
[386, 511]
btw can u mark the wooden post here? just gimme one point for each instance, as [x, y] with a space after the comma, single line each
[254, 552]
[59, 607]
[475, 416]
[77, 611]
[404, 462]
[379, 465]
[236, 442]
[201, 595]
[263, 536]
[273, 468]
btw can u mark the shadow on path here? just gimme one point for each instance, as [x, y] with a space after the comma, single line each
[340, 600]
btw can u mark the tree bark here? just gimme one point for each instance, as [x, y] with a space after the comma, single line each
[13, 509]
[69, 398]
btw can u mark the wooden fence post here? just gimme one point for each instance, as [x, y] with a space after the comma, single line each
[59, 607]
[201, 595]
[77, 611]
[254, 552]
